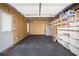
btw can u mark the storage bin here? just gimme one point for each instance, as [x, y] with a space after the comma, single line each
[59, 36]
[65, 38]
[74, 42]
[60, 32]
[59, 41]
[65, 44]
[74, 24]
[74, 50]
[74, 35]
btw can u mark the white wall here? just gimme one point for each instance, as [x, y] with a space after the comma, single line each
[6, 22]
[5, 31]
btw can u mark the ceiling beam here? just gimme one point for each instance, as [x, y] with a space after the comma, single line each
[39, 9]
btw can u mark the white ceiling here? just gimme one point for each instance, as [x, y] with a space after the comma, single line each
[32, 9]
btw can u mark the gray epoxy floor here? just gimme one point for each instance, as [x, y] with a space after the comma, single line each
[38, 46]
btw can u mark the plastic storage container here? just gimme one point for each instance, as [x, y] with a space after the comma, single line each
[65, 38]
[60, 32]
[74, 42]
[59, 41]
[74, 50]
[74, 35]
[65, 44]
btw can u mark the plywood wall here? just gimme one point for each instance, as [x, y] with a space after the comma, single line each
[19, 28]
[37, 27]
[77, 13]
[19, 22]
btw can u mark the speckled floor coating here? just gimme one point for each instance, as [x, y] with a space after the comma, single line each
[38, 46]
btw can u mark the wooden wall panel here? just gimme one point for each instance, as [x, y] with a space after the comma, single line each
[37, 27]
[77, 13]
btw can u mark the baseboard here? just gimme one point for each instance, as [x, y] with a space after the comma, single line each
[38, 34]
[48, 35]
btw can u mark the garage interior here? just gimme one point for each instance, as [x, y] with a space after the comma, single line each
[39, 29]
